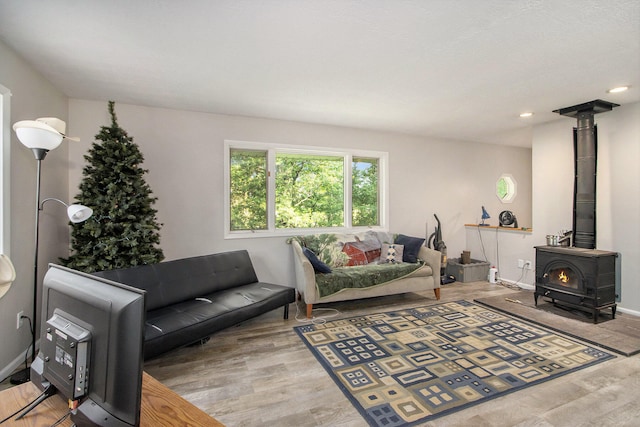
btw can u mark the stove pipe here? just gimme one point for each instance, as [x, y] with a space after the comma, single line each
[585, 149]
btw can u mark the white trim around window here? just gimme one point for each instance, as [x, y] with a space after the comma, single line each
[272, 149]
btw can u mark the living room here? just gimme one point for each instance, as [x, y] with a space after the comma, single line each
[450, 177]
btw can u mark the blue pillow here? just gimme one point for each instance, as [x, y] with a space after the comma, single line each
[411, 247]
[318, 266]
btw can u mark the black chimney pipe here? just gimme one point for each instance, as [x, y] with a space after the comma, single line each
[585, 143]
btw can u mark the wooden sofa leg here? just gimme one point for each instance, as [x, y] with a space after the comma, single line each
[437, 292]
[286, 311]
[309, 310]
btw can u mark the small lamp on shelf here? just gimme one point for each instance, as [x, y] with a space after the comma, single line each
[485, 215]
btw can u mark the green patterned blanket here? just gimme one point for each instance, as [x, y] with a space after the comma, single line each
[362, 276]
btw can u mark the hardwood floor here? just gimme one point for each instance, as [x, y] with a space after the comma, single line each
[260, 373]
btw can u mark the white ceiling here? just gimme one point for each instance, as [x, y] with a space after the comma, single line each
[459, 69]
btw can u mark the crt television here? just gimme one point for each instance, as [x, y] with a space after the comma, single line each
[91, 346]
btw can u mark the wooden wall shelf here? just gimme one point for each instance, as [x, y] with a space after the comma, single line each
[493, 227]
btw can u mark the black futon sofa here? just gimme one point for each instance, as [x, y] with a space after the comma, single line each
[189, 299]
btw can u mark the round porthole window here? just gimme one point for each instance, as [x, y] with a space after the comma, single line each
[506, 188]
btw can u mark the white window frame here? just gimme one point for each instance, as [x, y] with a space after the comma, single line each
[273, 149]
[512, 188]
[5, 170]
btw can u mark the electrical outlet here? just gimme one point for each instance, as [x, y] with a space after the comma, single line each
[528, 265]
[19, 319]
[520, 263]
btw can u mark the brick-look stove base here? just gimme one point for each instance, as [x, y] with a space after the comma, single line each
[581, 278]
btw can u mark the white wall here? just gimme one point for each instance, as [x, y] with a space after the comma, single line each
[184, 155]
[32, 97]
[617, 192]
[503, 248]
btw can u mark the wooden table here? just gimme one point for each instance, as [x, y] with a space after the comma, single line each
[159, 407]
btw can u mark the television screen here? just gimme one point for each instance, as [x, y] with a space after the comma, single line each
[91, 346]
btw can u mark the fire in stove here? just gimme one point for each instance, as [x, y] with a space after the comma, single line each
[563, 277]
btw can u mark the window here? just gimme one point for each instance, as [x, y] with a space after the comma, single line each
[248, 190]
[506, 188]
[365, 197]
[276, 189]
[309, 191]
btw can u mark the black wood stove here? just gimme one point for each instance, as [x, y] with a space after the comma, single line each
[580, 276]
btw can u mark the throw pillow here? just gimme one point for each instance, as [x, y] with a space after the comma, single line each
[411, 247]
[391, 253]
[326, 248]
[362, 252]
[318, 266]
[356, 255]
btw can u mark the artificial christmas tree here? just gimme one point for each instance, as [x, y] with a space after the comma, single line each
[123, 230]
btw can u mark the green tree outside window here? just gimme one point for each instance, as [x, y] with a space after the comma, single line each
[309, 191]
[364, 196]
[248, 189]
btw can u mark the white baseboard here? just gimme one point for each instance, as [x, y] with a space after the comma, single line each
[524, 286]
[628, 311]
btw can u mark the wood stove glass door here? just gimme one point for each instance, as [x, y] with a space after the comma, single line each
[562, 274]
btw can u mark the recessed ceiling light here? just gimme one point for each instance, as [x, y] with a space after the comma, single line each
[527, 114]
[618, 89]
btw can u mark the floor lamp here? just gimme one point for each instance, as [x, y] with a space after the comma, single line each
[41, 136]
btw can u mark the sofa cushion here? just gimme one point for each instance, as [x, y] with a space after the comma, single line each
[391, 253]
[326, 246]
[385, 236]
[189, 321]
[362, 252]
[179, 280]
[318, 266]
[364, 276]
[411, 247]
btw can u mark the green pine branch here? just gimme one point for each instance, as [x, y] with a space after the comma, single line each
[123, 230]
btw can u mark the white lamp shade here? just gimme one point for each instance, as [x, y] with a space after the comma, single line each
[79, 213]
[38, 138]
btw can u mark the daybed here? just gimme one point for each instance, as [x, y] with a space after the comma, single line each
[361, 267]
[189, 299]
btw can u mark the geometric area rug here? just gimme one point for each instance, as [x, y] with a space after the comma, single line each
[405, 367]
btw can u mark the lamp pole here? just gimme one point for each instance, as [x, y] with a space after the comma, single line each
[35, 261]
[78, 213]
[24, 375]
